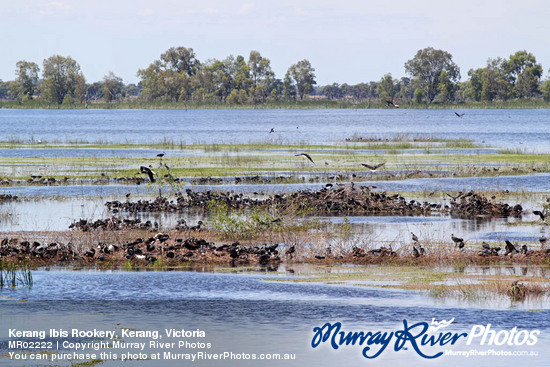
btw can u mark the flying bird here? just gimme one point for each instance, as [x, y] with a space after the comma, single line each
[272, 130]
[540, 214]
[148, 172]
[373, 168]
[305, 155]
[392, 104]
[459, 114]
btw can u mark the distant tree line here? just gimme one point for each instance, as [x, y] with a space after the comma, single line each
[179, 76]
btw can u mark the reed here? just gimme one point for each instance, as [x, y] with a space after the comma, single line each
[15, 274]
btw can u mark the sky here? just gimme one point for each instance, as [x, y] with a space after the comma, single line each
[346, 41]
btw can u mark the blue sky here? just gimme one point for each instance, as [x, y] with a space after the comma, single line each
[346, 41]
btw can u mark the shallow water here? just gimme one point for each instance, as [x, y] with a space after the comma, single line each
[243, 313]
[493, 127]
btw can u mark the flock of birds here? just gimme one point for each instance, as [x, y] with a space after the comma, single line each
[417, 250]
[510, 248]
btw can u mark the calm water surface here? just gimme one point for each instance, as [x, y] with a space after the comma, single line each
[524, 129]
[244, 313]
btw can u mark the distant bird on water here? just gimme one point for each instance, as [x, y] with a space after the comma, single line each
[459, 114]
[148, 172]
[305, 155]
[373, 168]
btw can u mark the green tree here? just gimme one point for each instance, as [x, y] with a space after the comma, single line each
[169, 78]
[261, 76]
[289, 91]
[332, 91]
[523, 73]
[112, 87]
[304, 78]
[180, 60]
[387, 88]
[62, 80]
[425, 69]
[546, 88]
[495, 84]
[26, 78]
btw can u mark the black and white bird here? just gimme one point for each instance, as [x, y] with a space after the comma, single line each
[414, 238]
[148, 171]
[459, 114]
[373, 168]
[305, 155]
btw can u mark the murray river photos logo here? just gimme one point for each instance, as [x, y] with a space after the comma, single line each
[421, 337]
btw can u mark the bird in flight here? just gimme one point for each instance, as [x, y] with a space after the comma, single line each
[459, 114]
[148, 172]
[272, 130]
[540, 214]
[305, 155]
[392, 104]
[373, 168]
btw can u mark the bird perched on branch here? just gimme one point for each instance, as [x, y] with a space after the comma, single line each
[373, 168]
[305, 155]
[148, 171]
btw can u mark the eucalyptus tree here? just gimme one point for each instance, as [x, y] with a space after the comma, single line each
[112, 87]
[333, 91]
[523, 73]
[304, 78]
[426, 69]
[261, 76]
[387, 87]
[168, 77]
[26, 79]
[62, 80]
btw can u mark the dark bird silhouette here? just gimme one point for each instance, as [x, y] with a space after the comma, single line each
[392, 104]
[160, 155]
[305, 155]
[486, 246]
[373, 168]
[272, 130]
[414, 238]
[459, 114]
[458, 241]
[540, 214]
[455, 197]
[148, 172]
[291, 251]
[416, 253]
[510, 248]
[543, 240]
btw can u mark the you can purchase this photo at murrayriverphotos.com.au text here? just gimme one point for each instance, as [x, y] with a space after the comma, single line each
[240, 183]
